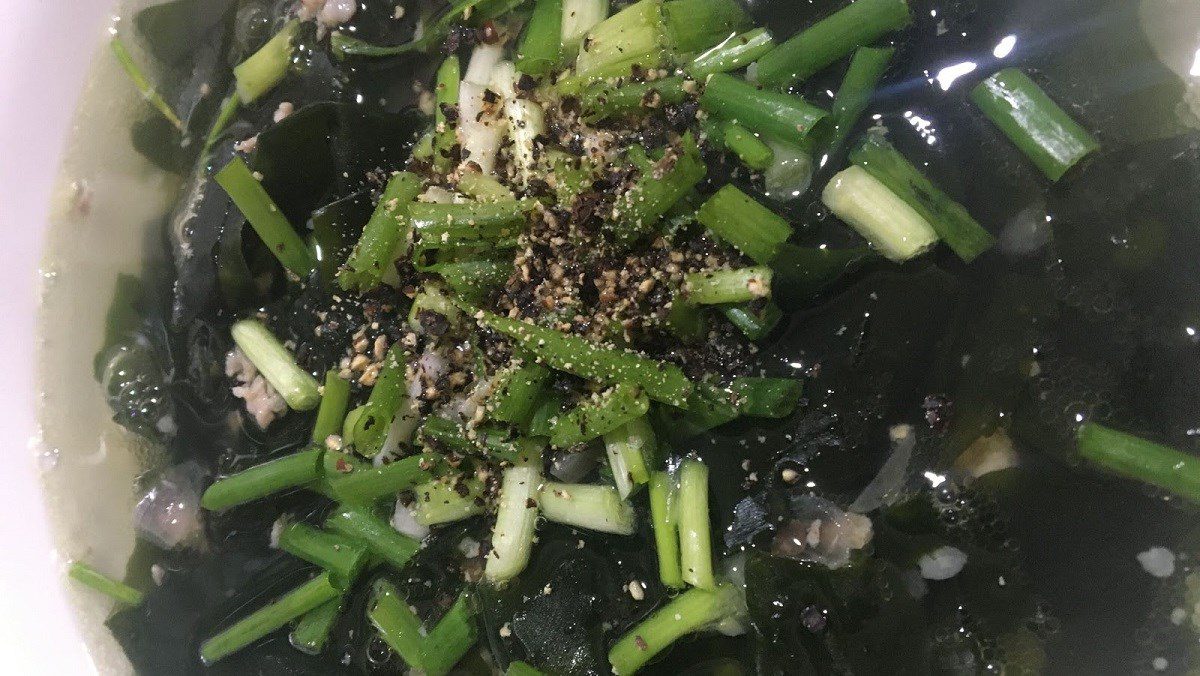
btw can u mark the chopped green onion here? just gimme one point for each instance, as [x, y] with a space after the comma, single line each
[633, 36]
[451, 498]
[445, 94]
[732, 53]
[335, 397]
[948, 218]
[266, 68]
[514, 393]
[689, 612]
[695, 537]
[1146, 461]
[143, 84]
[603, 100]
[594, 507]
[387, 397]
[1030, 119]
[579, 17]
[472, 280]
[431, 299]
[693, 25]
[228, 111]
[540, 50]
[365, 486]
[483, 187]
[886, 221]
[636, 212]
[338, 555]
[265, 217]
[487, 440]
[442, 225]
[262, 480]
[665, 519]
[433, 652]
[750, 227]
[272, 359]
[378, 535]
[516, 520]
[772, 114]
[709, 406]
[629, 448]
[714, 287]
[383, 235]
[118, 591]
[601, 413]
[858, 24]
[754, 319]
[750, 150]
[546, 412]
[853, 97]
[312, 630]
[581, 357]
[791, 171]
[314, 593]
[767, 397]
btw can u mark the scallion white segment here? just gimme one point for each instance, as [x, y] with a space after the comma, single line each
[588, 506]
[298, 388]
[878, 214]
[516, 519]
[525, 118]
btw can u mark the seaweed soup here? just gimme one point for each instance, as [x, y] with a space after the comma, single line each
[1083, 311]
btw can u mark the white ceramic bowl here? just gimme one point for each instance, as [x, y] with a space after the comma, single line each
[88, 204]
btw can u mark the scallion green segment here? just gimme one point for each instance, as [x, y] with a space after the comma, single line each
[755, 319]
[297, 387]
[1034, 122]
[665, 519]
[749, 148]
[695, 25]
[590, 506]
[853, 97]
[366, 485]
[142, 83]
[383, 235]
[601, 413]
[858, 24]
[715, 287]
[579, 17]
[732, 53]
[118, 591]
[360, 524]
[483, 187]
[388, 395]
[448, 499]
[630, 449]
[514, 393]
[433, 652]
[637, 210]
[1146, 461]
[885, 220]
[439, 226]
[948, 218]
[522, 669]
[540, 49]
[751, 228]
[293, 470]
[335, 553]
[604, 100]
[265, 217]
[225, 115]
[779, 116]
[689, 612]
[445, 95]
[583, 358]
[695, 538]
[266, 68]
[312, 630]
[335, 398]
[633, 36]
[316, 592]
